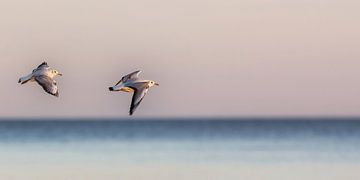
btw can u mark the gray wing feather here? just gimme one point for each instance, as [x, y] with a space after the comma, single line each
[48, 84]
[43, 65]
[140, 90]
[131, 76]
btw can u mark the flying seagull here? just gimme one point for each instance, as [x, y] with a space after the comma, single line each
[132, 83]
[44, 76]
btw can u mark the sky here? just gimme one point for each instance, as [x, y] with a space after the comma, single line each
[212, 58]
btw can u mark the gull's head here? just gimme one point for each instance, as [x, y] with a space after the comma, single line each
[56, 72]
[153, 83]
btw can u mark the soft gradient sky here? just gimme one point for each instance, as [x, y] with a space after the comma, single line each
[211, 57]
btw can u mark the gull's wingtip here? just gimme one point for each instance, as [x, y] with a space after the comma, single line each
[43, 64]
[131, 112]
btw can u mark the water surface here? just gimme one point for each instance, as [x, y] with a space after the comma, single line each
[180, 149]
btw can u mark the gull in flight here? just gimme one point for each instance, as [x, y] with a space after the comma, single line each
[44, 76]
[132, 83]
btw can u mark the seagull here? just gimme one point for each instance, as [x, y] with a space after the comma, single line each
[44, 76]
[132, 83]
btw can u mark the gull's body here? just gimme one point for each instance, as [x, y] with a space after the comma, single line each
[132, 83]
[44, 76]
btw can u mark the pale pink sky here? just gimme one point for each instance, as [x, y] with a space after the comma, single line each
[211, 57]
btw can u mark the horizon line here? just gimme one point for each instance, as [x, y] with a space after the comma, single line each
[200, 118]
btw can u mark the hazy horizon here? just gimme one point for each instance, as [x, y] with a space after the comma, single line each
[212, 58]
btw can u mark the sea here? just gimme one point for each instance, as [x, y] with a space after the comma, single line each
[180, 149]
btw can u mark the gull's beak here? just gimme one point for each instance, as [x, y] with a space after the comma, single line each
[60, 74]
[157, 84]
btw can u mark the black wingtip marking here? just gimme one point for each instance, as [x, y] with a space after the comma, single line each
[131, 112]
[43, 64]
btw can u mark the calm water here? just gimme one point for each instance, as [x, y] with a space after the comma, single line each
[180, 149]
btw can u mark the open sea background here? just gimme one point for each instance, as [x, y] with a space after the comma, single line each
[179, 149]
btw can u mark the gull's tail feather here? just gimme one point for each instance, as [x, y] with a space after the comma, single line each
[116, 87]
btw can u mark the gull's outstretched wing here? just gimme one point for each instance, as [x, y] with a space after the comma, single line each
[140, 90]
[131, 76]
[48, 84]
[43, 65]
